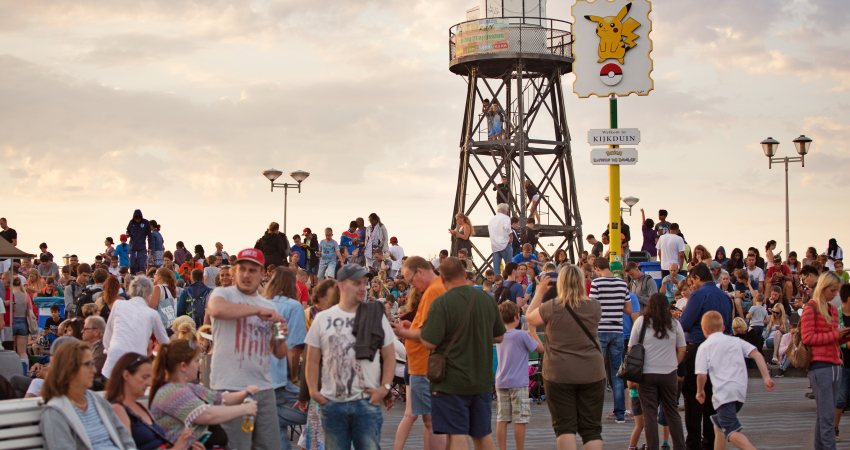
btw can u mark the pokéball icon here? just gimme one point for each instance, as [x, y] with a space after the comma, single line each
[611, 74]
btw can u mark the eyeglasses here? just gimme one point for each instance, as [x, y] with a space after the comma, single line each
[89, 328]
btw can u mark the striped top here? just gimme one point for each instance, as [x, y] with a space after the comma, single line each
[612, 294]
[177, 405]
[95, 429]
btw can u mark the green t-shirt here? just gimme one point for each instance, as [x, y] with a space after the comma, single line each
[469, 364]
[844, 275]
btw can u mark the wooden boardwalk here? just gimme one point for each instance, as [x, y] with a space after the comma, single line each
[782, 419]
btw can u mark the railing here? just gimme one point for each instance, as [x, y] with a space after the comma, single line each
[491, 36]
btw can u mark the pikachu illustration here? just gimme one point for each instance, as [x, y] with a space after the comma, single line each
[615, 35]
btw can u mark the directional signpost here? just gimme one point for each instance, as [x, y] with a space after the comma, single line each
[609, 153]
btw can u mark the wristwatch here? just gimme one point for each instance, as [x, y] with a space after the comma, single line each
[388, 387]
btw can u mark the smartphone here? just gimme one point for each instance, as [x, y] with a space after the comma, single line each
[204, 437]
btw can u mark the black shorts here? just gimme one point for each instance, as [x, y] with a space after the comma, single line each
[462, 414]
[576, 408]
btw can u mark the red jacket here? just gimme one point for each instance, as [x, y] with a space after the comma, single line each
[821, 336]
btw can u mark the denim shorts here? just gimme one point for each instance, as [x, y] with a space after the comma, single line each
[420, 395]
[727, 418]
[462, 414]
[20, 327]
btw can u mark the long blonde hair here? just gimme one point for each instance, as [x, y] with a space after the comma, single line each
[570, 286]
[826, 280]
[783, 324]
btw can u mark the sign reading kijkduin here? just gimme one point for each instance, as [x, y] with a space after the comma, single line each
[613, 156]
[613, 136]
[612, 47]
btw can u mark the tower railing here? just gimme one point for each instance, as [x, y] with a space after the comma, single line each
[511, 35]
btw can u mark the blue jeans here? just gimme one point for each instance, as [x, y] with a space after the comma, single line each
[327, 269]
[138, 261]
[356, 423]
[287, 415]
[843, 390]
[505, 255]
[611, 343]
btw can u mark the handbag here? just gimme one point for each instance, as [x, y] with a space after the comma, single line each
[437, 361]
[632, 367]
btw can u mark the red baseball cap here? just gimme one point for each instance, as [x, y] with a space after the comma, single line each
[253, 255]
[123, 237]
[307, 230]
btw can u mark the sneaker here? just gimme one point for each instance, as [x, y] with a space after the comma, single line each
[837, 438]
[780, 374]
[665, 446]
[810, 396]
[619, 420]
[629, 413]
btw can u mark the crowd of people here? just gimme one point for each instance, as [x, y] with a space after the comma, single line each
[237, 351]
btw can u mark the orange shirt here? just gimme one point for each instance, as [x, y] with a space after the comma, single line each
[417, 355]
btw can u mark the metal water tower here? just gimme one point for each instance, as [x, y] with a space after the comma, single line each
[509, 51]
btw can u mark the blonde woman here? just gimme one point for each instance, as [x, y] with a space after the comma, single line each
[462, 234]
[819, 330]
[183, 328]
[775, 327]
[570, 322]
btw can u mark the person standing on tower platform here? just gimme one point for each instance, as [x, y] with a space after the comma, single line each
[503, 191]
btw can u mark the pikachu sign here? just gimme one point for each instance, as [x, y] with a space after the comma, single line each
[612, 47]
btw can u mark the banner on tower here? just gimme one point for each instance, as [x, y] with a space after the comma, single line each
[612, 47]
[482, 36]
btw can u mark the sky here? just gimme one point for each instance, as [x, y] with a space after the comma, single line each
[176, 107]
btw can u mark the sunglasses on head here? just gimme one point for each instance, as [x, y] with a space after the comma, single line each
[140, 359]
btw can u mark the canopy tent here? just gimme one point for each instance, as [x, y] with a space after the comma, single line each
[7, 250]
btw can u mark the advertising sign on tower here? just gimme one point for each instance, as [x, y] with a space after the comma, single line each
[612, 47]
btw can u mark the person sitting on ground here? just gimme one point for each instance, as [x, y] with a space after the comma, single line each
[124, 391]
[74, 417]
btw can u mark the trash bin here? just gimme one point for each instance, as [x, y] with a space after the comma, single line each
[44, 304]
[653, 269]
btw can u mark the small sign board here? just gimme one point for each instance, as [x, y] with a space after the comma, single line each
[613, 156]
[613, 136]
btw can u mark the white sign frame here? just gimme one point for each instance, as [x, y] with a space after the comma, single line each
[614, 156]
[636, 67]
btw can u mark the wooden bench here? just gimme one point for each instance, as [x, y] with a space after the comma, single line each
[19, 424]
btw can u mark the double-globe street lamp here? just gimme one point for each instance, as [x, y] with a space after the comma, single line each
[299, 176]
[769, 147]
[629, 201]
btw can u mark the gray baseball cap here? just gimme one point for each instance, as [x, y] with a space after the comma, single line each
[351, 272]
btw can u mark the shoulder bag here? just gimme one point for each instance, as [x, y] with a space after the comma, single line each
[583, 328]
[437, 361]
[632, 367]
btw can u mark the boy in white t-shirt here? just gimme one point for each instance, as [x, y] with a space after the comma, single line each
[722, 357]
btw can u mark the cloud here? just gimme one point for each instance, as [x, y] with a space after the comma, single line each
[136, 48]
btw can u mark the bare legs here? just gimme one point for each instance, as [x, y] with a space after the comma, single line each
[568, 442]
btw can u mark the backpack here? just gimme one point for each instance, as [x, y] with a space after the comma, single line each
[193, 297]
[503, 292]
[85, 297]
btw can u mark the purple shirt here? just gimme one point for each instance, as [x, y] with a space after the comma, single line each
[513, 359]
[649, 241]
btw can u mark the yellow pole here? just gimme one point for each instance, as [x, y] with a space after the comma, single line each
[615, 245]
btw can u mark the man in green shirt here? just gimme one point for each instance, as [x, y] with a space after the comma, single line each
[839, 270]
[461, 403]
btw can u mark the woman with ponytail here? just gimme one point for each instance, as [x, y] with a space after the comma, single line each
[819, 330]
[176, 400]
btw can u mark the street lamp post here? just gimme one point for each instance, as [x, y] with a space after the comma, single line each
[299, 176]
[769, 147]
[629, 201]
